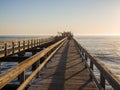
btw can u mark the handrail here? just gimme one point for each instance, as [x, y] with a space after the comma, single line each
[14, 72]
[20, 40]
[105, 72]
[27, 81]
[14, 46]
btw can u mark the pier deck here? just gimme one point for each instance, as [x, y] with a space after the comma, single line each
[66, 71]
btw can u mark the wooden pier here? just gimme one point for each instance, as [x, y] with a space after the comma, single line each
[66, 71]
[57, 63]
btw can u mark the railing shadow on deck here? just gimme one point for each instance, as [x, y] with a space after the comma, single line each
[84, 84]
[75, 73]
[62, 63]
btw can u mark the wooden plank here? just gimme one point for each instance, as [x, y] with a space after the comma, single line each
[66, 71]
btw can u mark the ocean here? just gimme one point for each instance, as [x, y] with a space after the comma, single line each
[107, 48]
[18, 37]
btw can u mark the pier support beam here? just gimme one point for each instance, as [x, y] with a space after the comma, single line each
[35, 66]
[21, 77]
[21, 54]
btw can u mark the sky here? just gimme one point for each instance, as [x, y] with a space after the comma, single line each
[36, 17]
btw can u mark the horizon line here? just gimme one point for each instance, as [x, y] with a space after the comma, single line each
[57, 34]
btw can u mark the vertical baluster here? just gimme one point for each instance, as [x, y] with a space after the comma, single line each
[82, 55]
[31, 43]
[91, 64]
[19, 46]
[40, 41]
[80, 52]
[5, 49]
[102, 81]
[13, 48]
[28, 44]
[91, 67]
[34, 43]
[0, 67]
[43, 40]
[85, 56]
[37, 42]
[37, 65]
[23, 45]
[21, 77]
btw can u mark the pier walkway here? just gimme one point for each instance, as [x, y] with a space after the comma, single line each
[66, 71]
[56, 63]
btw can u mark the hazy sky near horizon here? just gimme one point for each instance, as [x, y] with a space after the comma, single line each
[34, 17]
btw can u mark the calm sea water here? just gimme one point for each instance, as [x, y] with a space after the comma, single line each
[107, 48]
[4, 38]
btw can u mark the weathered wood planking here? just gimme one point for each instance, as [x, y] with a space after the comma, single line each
[5, 78]
[66, 71]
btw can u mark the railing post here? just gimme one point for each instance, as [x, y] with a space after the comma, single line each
[5, 49]
[0, 67]
[102, 81]
[37, 42]
[19, 46]
[82, 54]
[23, 45]
[91, 67]
[28, 44]
[21, 77]
[31, 43]
[34, 43]
[80, 51]
[35, 66]
[13, 47]
[86, 57]
[91, 64]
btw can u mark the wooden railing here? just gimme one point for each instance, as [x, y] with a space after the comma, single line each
[105, 72]
[11, 47]
[24, 65]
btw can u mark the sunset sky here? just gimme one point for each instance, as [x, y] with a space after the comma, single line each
[35, 17]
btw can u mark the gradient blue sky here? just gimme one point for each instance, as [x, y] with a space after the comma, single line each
[34, 17]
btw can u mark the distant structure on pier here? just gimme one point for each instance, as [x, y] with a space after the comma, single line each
[66, 34]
